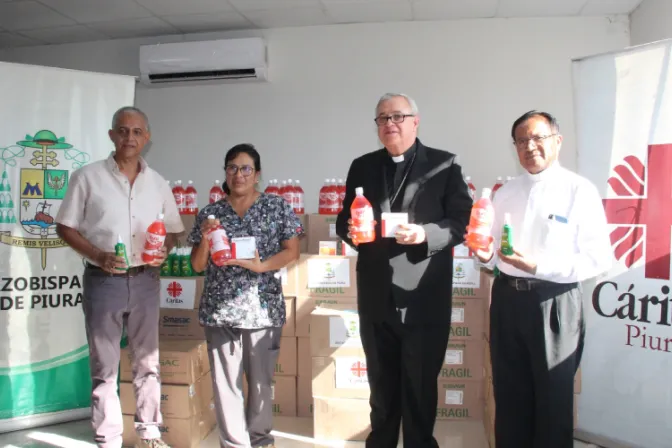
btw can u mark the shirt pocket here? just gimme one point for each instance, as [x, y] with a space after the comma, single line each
[558, 236]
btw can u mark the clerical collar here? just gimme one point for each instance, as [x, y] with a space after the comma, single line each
[406, 155]
[546, 174]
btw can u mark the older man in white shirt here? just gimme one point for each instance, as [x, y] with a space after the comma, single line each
[537, 327]
[120, 197]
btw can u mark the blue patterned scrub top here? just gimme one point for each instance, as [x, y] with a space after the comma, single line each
[236, 297]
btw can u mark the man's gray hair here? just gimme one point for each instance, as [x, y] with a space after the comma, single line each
[389, 96]
[129, 110]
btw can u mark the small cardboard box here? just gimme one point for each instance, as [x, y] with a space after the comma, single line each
[341, 419]
[289, 329]
[304, 396]
[182, 293]
[467, 320]
[463, 361]
[320, 228]
[244, 248]
[335, 331]
[460, 400]
[391, 222]
[182, 362]
[327, 276]
[340, 377]
[180, 325]
[286, 365]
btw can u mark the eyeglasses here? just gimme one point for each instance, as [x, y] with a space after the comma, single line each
[245, 170]
[395, 118]
[537, 139]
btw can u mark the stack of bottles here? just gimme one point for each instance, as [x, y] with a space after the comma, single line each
[187, 198]
[291, 192]
[332, 195]
[178, 264]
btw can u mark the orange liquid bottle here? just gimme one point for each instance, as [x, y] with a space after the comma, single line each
[479, 231]
[361, 214]
[154, 239]
[218, 241]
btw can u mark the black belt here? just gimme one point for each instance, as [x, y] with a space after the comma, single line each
[131, 272]
[524, 284]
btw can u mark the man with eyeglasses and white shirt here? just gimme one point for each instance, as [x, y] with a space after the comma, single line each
[404, 283]
[121, 196]
[537, 327]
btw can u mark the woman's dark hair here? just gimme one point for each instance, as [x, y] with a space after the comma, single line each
[242, 148]
[552, 122]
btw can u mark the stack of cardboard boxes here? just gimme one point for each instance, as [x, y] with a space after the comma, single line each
[489, 415]
[187, 399]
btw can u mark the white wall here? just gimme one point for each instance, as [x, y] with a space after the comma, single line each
[651, 21]
[471, 79]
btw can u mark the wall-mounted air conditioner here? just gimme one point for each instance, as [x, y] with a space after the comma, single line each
[224, 60]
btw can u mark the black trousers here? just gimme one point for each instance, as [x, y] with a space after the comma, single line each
[403, 364]
[536, 342]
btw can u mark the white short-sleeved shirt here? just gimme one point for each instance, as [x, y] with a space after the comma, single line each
[101, 205]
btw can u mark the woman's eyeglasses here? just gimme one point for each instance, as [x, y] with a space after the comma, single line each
[232, 170]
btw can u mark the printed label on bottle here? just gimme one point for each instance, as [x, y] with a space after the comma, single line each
[154, 241]
[179, 199]
[191, 200]
[483, 216]
[214, 197]
[218, 241]
[332, 200]
[364, 214]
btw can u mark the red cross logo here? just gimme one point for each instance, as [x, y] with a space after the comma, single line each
[642, 211]
[358, 369]
[174, 289]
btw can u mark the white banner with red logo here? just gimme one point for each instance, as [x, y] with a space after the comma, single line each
[623, 105]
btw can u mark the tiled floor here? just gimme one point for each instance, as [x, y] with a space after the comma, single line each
[290, 433]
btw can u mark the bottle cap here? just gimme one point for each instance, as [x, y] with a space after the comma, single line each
[211, 217]
[119, 240]
[160, 217]
[486, 192]
[190, 182]
[217, 182]
[359, 191]
[468, 178]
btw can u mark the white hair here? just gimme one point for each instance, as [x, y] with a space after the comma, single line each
[129, 110]
[389, 96]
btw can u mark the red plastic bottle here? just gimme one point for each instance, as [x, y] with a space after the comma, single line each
[216, 193]
[472, 188]
[333, 195]
[341, 194]
[361, 214]
[298, 199]
[178, 193]
[323, 208]
[154, 239]
[191, 199]
[219, 244]
[479, 231]
[499, 184]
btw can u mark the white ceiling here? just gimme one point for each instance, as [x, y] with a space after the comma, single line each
[39, 22]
